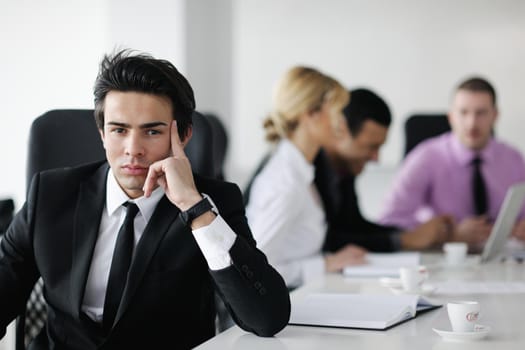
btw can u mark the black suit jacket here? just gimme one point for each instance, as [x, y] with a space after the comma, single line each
[346, 224]
[169, 299]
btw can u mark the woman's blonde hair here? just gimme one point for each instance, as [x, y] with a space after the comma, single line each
[301, 90]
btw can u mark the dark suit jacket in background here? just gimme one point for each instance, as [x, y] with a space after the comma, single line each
[168, 302]
[346, 224]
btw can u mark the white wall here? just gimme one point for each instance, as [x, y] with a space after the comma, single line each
[50, 55]
[232, 51]
[209, 51]
[411, 52]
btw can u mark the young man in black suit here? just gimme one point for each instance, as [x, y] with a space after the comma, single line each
[336, 168]
[131, 250]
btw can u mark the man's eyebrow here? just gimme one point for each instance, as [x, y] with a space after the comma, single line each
[142, 126]
[123, 125]
[152, 125]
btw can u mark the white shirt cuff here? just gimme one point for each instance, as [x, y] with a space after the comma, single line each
[215, 242]
[313, 268]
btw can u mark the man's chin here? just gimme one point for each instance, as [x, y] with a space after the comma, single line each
[134, 186]
[476, 143]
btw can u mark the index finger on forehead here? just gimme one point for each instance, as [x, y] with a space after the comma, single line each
[176, 144]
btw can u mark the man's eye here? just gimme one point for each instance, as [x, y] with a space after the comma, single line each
[153, 132]
[118, 130]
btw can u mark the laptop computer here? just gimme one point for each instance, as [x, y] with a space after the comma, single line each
[510, 209]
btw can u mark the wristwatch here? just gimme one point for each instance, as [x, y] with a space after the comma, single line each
[194, 212]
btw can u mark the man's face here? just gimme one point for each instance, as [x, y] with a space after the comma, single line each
[366, 145]
[472, 117]
[354, 152]
[136, 134]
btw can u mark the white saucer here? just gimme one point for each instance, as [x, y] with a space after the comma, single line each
[426, 289]
[479, 332]
[390, 282]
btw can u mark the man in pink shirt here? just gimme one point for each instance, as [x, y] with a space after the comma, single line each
[464, 173]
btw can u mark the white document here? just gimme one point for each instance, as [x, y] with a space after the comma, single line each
[383, 264]
[357, 310]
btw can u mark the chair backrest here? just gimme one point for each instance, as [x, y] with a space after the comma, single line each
[419, 127]
[220, 144]
[200, 148]
[61, 138]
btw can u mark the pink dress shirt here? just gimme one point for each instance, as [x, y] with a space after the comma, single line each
[436, 178]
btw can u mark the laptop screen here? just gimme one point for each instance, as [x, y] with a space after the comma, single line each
[510, 209]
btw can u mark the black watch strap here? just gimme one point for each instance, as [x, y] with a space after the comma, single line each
[197, 210]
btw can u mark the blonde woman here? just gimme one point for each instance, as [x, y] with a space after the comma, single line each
[284, 209]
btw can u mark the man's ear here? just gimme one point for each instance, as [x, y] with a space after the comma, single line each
[102, 137]
[187, 138]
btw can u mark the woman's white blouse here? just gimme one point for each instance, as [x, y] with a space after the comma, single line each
[286, 216]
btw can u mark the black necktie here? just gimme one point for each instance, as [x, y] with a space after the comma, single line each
[479, 189]
[120, 263]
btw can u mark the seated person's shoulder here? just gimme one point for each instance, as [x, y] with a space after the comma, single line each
[221, 192]
[209, 186]
[71, 175]
[508, 152]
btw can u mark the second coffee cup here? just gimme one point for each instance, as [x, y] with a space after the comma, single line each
[412, 277]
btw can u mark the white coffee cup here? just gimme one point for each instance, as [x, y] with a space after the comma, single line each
[463, 315]
[455, 252]
[412, 277]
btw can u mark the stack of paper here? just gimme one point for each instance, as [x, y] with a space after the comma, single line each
[383, 264]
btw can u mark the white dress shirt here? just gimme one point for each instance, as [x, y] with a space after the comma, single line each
[286, 216]
[214, 240]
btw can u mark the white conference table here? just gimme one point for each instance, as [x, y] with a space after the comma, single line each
[503, 312]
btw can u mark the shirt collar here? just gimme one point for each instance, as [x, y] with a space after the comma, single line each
[465, 155]
[115, 197]
[302, 168]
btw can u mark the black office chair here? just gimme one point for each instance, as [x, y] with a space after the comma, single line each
[419, 127]
[220, 144]
[200, 148]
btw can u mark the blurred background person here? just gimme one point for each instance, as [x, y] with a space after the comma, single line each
[284, 209]
[338, 165]
[464, 173]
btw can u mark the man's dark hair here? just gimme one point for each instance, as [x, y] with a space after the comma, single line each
[366, 105]
[477, 84]
[126, 71]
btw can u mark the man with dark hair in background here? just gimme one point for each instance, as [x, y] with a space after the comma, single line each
[337, 166]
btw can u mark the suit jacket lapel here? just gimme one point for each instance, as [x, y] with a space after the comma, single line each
[157, 227]
[90, 203]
